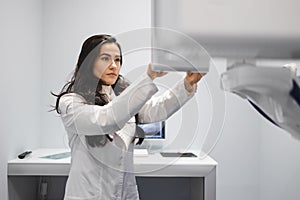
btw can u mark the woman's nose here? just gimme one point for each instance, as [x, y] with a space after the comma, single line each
[113, 64]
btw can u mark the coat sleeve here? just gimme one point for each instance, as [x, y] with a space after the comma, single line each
[84, 119]
[162, 107]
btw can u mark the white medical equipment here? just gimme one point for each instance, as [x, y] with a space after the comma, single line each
[274, 92]
[175, 51]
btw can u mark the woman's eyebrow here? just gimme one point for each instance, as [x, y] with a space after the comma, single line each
[106, 54]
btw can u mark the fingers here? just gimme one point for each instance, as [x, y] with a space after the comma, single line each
[153, 74]
[150, 66]
[189, 73]
[193, 78]
[160, 74]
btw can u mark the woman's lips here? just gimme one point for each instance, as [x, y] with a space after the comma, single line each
[112, 74]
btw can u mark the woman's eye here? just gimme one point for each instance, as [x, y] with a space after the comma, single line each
[118, 60]
[105, 58]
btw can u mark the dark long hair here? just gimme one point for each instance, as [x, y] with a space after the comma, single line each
[83, 81]
[86, 84]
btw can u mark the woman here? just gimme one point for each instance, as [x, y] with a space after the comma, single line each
[100, 118]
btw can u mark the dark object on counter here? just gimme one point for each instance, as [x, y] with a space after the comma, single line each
[23, 155]
[177, 154]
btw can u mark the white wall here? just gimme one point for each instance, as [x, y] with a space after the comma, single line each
[237, 152]
[20, 80]
[67, 24]
[280, 164]
[279, 157]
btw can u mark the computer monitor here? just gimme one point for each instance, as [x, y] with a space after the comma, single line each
[154, 130]
[155, 136]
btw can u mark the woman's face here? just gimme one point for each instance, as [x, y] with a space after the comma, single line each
[107, 64]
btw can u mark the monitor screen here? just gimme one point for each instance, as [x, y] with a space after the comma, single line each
[154, 130]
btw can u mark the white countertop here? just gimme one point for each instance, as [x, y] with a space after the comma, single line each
[151, 165]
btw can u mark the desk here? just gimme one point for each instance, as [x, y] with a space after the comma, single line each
[198, 172]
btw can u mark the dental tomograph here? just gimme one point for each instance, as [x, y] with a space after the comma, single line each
[273, 92]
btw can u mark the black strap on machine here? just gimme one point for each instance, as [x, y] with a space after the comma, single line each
[262, 113]
[295, 92]
[108, 137]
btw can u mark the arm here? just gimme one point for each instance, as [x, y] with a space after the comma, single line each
[162, 107]
[85, 119]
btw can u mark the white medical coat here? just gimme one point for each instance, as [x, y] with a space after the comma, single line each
[106, 172]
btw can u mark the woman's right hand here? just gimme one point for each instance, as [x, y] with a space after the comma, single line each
[153, 74]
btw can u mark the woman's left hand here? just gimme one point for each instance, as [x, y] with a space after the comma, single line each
[192, 78]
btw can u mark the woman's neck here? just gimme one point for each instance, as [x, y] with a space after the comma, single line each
[106, 89]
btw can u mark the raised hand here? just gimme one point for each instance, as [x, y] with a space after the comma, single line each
[153, 74]
[191, 79]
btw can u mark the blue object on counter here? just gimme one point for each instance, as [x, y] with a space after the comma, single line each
[58, 156]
